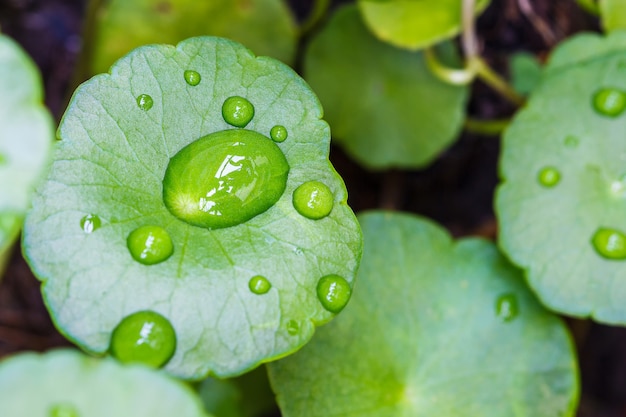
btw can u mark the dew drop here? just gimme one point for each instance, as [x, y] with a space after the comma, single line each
[293, 328]
[225, 179]
[609, 102]
[63, 410]
[278, 133]
[145, 102]
[145, 337]
[313, 199]
[609, 243]
[333, 292]
[237, 111]
[259, 284]
[150, 245]
[549, 177]
[507, 307]
[618, 187]
[571, 141]
[192, 77]
[90, 223]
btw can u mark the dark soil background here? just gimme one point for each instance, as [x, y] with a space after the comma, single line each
[457, 190]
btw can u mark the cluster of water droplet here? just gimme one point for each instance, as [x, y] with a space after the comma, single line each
[220, 180]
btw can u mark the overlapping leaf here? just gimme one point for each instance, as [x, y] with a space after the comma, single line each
[65, 383]
[383, 104]
[562, 170]
[109, 165]
[435, 329]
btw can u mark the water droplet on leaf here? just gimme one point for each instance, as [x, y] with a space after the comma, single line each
[192, 77]
[609, 243]
[333, 292]
[145, 337]
[293, 327]
[145, 102]
[225, 179]
[63, 410]
[150, 245]
[90, 223]
[259, 284]
[609, 102]
[549, 177]
[507, 307]
[278, 133]
[313, 199]
[571, 141]
[618, 187]
[237, 111]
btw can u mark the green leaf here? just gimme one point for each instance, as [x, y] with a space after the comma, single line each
[612, 14]
[435, 328]
[525, 72]
[248, 395]
[265, 26]
[65, 383]
[107, 180]
[414, 24]
[591, 6]
[563, 184]
[26, 133]
[384, 105]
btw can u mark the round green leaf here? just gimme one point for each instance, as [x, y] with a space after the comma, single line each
[612, 14]
[65, 383]
[565, 227]
[525, 72]
[26, 133]
[414, 24]
[265, 26]
[110, 165]
[384, 105]
[435, 328]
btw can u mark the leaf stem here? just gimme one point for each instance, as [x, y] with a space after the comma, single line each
[454, 76]
[591, 6]
[495, 81]
[320, 7]
[486, 127]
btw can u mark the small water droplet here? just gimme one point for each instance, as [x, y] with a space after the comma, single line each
[507, 307]
[549, 177]
[571, 141]
[259, 284]
[63, 410]
[278, 133]
[609, 102]
[313, 200]
[90, 223]
[150, 245]
[225, 179]
[333, 292]
[192, 77]
[293, 327]
[146, 337]
[237, 111]
[618, 187]
[145, 102]
[609, 243]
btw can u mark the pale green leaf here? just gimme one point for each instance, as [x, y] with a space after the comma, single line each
[110, 162]
[612, 14]
[436, 328]
[525, 72]
[385, 107]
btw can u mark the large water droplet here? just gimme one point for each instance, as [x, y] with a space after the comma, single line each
[549, 177]
[571, 141]
[259, 284]
[63, 410]
[278, 133]
[145, 102]
[333, 292]
[90, 223]
[293, 327]
[225, 179]
[150, 245]
[192, 77]
[237, 111]
[507, 307]
[609, 102]
[146, 337]
[609, 243]
[313, 199]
